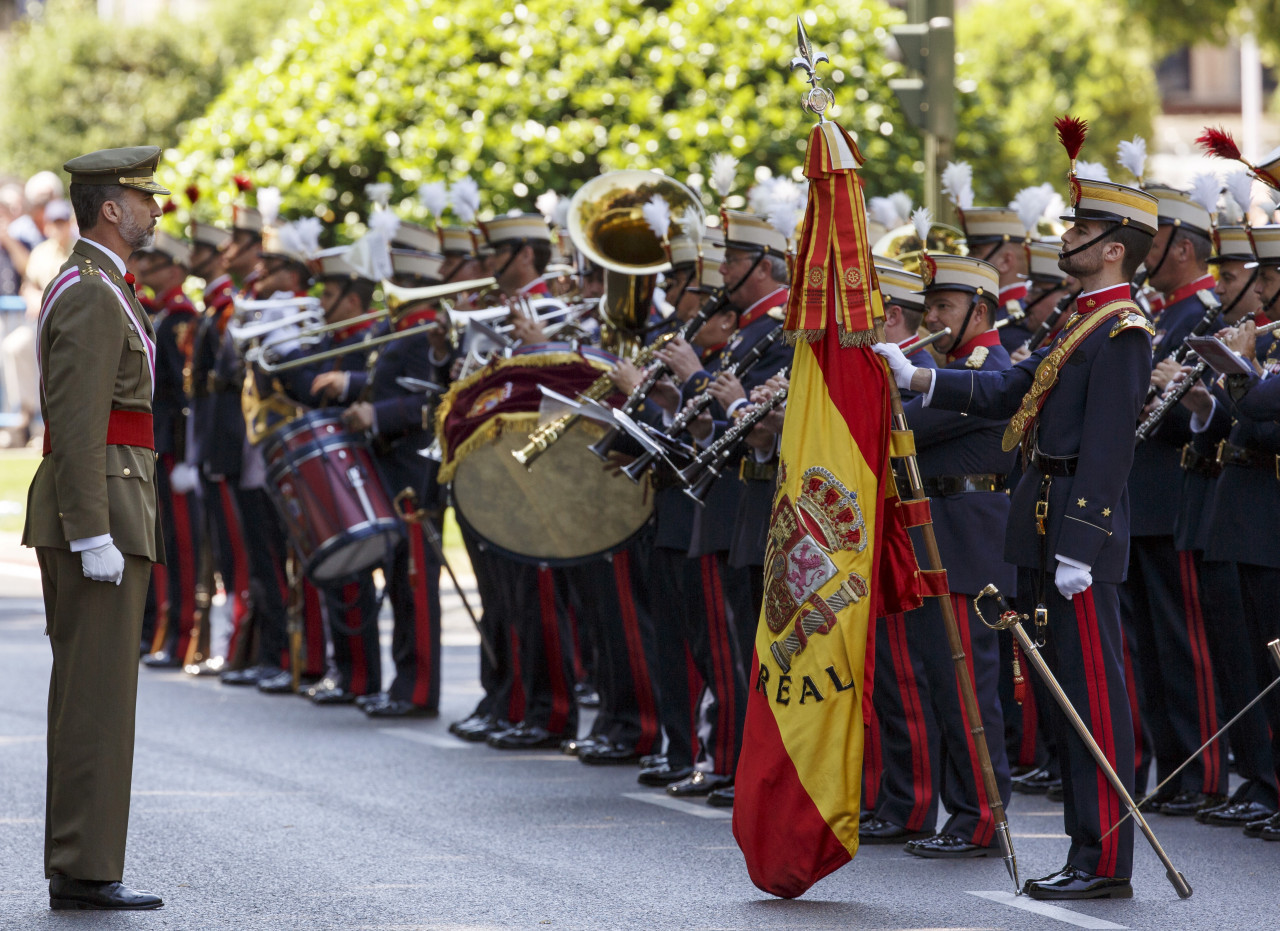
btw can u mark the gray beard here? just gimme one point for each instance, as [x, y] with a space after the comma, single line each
[136, 235]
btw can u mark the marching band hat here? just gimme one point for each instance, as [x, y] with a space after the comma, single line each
[418, 264]
[1042, 261]
[1232, 244]
[174, 249]
[134, 167]
[899, 286]
[206, 234]
[983, 225]
[457, 240]
[248, 219]
[331, 264]
[1115, 203]
[1266, 244]
[944, 272]
[752, 233]
[711, 280]
[684, 251]
[1176, 208]
[418, 238]
[521, 228]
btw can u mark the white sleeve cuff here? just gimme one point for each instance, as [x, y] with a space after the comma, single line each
[1074, 563]
[88, 543]
[734, 406]
[933, 380]
[1198, 425]
[438, 361]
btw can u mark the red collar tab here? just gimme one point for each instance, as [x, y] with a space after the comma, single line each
[1014, 292]
[1087, 303]
[176, 299]
[346, 333]
[425, 315]
[1204, 283]
[535, 288]
[712, 351]
[1261, 319]
[761, 307]
[989, 338]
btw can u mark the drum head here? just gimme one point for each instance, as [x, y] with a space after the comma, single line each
[565, 509]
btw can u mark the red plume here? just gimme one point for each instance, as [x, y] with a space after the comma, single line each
[1071, 133]
[169, 207]
[193, 193]
[1218, 142]
[243, 183]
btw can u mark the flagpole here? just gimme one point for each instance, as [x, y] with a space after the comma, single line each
[967, 695]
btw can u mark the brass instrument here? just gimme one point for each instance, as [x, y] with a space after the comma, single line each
[257, 319]
[607, 225]
[903, 244]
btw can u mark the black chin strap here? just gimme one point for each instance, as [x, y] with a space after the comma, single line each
[1167, 246]
[1109, 231]
[973, 304]
[743, 280]
[1248, 286]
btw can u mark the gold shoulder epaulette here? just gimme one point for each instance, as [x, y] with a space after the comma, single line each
[1208, 299]
[1132, 319]
[977, 358]
[1013, 309]
[777, 313]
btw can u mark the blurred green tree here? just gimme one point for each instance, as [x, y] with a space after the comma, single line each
[70, 83]
[1024, 62]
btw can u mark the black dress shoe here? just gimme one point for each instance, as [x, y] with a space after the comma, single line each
[698, 785]
[275, 681]
[476, 719]
[1055, 792]
[663, 774]
[68, 893]
[1036, 782]
[161, 659]
[721, 798]
[1270, 829]
[480, 732]
[247, 676]
[575, 745]
[878, 831]
[206, 667]
[1255, 828]
[652, 759]
[398, 708]
[585, 694]
[946, 847]
[1188, 802]
[865, 815]
[1071, 883]
[525, 737]
[1235, 814]
[334, 695]
[608, 754]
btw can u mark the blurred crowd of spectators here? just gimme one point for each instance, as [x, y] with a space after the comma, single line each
[37, 230]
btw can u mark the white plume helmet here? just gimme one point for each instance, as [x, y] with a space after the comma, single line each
[1092, 171]
[693, 225]
[884, 211]
[724, 173]
[922, 220]
[371, 255]
[657, 214]
[1054, 205]
[901, 201]
[1029, 204]
[385, 223]
[1132, 156]
[1268, 203]
[761, 196]
[957, 184]
[784, 216]
[560, 217]
[301, 237]
[546, 203]
[1205, 191]
[269, 205]
[1239, 185]
[379, 193]
[434, 197]
[464, 197]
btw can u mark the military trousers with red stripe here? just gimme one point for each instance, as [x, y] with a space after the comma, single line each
[1085, 651]
[543, 642]
[676, 581]
[1160, 604]
[1258, 587]
[413, 587]
[175, 581]
[496, 580]
[927, 749]
[351, 610]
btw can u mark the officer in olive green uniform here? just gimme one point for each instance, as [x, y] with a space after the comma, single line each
[92, 517]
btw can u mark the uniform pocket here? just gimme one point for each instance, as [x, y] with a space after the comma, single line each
[140, 368]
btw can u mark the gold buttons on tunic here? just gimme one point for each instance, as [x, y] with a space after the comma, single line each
[126, 471]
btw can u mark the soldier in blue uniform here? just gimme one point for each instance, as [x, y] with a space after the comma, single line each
[1068, 529]
[964, 469]
[1160, 601]
[999, 237]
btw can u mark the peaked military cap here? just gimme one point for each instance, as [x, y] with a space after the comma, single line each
[134, 167]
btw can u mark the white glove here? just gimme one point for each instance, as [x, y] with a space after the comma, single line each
[1071, 580]
[103, 563]
[898, 364]
[184, 478]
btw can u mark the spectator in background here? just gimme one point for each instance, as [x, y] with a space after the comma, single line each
[13, 254]
[42, 187]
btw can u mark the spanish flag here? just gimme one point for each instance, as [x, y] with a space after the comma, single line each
[838, 551]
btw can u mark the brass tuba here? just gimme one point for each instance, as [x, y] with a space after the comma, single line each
[903, 244]
[607, 226]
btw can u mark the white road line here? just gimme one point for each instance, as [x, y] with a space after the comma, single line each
[1056, 912]
[688, 808]
[430, 740]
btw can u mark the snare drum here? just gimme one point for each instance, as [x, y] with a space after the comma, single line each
[324, 484]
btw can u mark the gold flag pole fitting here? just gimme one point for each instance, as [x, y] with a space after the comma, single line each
[818, 100]
[1012, 621]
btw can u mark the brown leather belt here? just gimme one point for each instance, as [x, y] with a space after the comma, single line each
[1194, 461]
[937, 486]
[1229, 455]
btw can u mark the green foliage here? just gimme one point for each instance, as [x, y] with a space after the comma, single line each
[1178, 23]
[540, 95]
[1026, 62]
[70, 83]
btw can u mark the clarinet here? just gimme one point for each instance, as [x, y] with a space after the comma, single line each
[1036, 339]
[702, 401]
[1178, 391]
[708, 465]
[1180, 353]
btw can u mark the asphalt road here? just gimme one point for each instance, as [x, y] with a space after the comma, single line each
[260, 812]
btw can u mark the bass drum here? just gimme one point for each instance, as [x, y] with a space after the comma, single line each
[565, 509]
